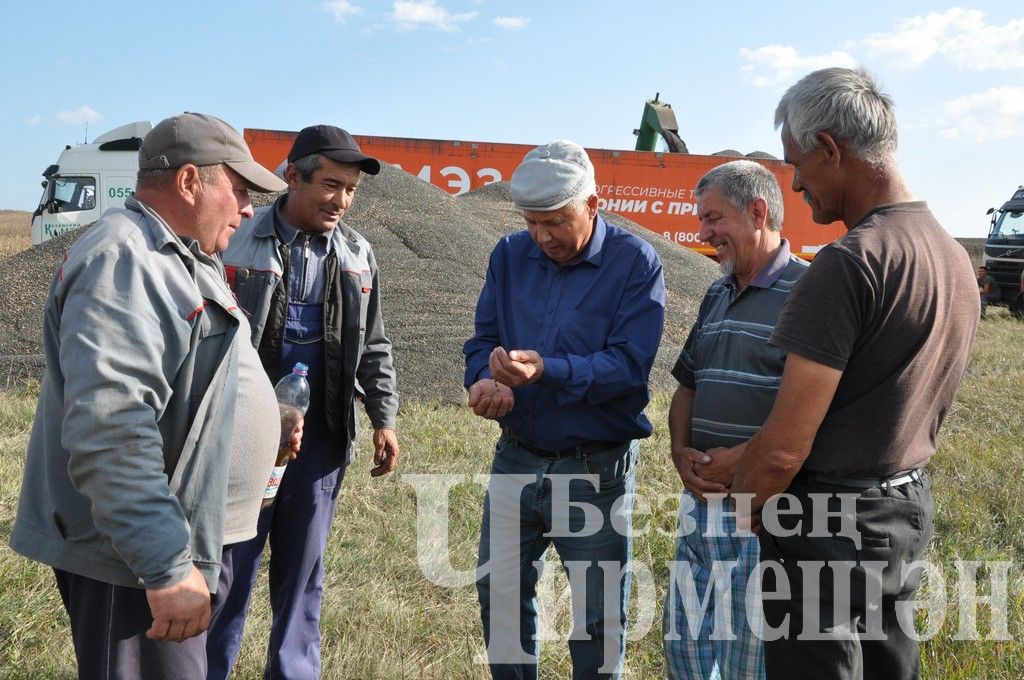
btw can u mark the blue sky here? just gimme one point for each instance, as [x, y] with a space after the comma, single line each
[524, 72]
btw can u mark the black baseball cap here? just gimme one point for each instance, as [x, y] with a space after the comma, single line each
[334, 143]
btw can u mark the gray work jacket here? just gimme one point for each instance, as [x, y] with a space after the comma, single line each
[127, 467]
[358, 355]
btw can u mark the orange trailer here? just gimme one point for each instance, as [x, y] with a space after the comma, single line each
[652, 189]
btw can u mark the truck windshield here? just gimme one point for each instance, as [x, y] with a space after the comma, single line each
[72, 193]
[1009, 226]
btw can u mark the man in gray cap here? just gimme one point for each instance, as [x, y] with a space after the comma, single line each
[141, 465]
[311, 287]
[567, 327]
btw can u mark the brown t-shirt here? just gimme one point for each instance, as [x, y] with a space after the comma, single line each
[894, 305]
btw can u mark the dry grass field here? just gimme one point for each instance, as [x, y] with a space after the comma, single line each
[384, 619]
[14, 234]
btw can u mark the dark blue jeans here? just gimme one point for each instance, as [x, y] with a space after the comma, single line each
[533, 501]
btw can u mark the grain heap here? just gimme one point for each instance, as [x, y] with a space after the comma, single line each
[432, 249]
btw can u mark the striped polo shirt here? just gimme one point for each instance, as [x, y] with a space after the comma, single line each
[727, 359]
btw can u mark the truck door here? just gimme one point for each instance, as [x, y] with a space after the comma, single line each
[70, 202]
[116, 188]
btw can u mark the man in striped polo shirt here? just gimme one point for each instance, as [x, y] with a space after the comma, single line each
[728, 375]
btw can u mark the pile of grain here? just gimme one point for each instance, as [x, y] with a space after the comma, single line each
[432, 249]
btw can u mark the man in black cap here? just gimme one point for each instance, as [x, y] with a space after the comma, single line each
[310, 286]
[142, 464]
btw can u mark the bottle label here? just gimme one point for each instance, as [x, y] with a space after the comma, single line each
[274, 482]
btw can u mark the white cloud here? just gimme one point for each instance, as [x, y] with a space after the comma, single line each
[411, 14]
[997, 113]
[341, 9]
[83, 114]
[777, 64]
[514, 23]
[34, 119]
[961, 36]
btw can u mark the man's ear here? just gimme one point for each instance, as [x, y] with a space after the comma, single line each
[188, 183]
[833, 150]
[592, 205]
[291, 175]
[759, 210]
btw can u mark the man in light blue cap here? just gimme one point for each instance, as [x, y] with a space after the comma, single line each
[567, 327]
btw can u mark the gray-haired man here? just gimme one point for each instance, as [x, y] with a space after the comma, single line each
[134, 479]
[878, 334]
[567, 327]
[728, 375]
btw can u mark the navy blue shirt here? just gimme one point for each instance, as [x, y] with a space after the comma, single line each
[597, 324]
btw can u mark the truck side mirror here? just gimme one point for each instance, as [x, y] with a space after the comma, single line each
[990, 211]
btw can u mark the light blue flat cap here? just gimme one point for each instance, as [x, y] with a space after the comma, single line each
[551, 175]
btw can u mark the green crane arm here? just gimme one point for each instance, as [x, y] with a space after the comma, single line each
[658, 121]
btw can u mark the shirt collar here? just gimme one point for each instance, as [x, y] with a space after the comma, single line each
[286, 233]
[771, 272]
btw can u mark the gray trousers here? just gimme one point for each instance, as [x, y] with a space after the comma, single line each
[845, 609]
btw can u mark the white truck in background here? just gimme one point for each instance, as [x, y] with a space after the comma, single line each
[87, 179]
[1004, 251]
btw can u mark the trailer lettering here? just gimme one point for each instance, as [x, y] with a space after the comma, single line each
[642, 191]
[459, 184]
[461, 181]
[622, 205]
[680, 208]
[51, 230]
[423, 174]
[656, 207]
[681, 236]
[489, 175]
[120, 192]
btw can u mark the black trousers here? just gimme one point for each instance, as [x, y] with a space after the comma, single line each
[840, 619]
[108, 628]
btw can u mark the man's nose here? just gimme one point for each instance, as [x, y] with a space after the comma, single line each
[246, 209]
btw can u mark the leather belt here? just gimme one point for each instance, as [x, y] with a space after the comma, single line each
[580, 450]
[898, 479]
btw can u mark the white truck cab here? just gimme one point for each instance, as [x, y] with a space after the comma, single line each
[87, 179]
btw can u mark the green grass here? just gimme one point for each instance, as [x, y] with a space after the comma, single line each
[383, 619]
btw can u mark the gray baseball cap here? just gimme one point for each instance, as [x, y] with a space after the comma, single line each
[204, 140]
[551, 175]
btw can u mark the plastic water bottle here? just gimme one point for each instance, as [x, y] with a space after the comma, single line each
[292, 401]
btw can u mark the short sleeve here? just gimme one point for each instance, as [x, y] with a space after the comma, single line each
[828, 309]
